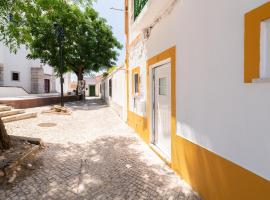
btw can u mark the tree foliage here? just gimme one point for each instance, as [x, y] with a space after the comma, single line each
[89, 43]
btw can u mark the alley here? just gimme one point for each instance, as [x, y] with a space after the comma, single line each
[91, 154]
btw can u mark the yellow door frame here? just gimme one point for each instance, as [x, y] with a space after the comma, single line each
[165, 55]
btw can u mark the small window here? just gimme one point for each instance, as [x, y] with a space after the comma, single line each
[136, 83]
[257, 60]
[265, 49]
[15, 76]
[163, 86]
[110, 87]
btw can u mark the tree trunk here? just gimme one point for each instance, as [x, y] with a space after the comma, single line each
[5, 142]
[79, 74]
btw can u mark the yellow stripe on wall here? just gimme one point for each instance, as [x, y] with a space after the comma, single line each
[139, 124]
[212, 176]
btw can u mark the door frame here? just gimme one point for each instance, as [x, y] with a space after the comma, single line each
[46, 80]
[168, 56]
[89, 87]
[153, 97]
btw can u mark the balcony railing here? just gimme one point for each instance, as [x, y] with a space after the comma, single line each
[138, 6]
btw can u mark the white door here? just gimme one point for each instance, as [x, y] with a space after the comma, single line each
[162, 109]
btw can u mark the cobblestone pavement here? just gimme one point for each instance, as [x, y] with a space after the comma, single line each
[91, 154]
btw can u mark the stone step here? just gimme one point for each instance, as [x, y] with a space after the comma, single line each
[4, 108]
[19, 117]
[11, 112]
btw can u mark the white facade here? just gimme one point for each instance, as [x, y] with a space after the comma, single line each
[117, 99]
[32, 74]
[16, 63]
[215, 109]
[94, 82]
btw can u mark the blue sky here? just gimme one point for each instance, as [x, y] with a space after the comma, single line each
[115, 19]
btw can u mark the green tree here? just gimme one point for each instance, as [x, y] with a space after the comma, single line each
[5, 142]
[89, 43]
[94, 46]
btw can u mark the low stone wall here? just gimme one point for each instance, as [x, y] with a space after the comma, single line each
[37, 102]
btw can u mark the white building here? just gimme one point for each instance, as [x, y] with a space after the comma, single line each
[93, 86]
[20, 76]
[198, 91]
[113, 91]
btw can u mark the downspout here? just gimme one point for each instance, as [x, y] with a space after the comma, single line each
[127, 52]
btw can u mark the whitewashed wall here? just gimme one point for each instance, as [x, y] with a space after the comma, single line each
[16, 63]
[118, 99]
[138, 58]
[19, 63]
[118, 89]
[92, 81]
[12, 92]
[215, 108]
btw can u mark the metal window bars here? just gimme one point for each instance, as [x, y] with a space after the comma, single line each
[138, 6]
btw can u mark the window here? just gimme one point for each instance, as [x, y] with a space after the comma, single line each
[47, 85]
[110, 87]
[257, 40]
[15, 76]
[136, 81]
[163, 86]
[138, 6]
[265, 49]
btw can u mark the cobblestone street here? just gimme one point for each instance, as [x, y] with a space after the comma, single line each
[91, 154]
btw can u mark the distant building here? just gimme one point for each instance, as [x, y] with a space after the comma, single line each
[113, 91]
[92, 85]
[72, 86]
[21, 76]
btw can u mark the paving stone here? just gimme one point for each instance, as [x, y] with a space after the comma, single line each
[91, 154]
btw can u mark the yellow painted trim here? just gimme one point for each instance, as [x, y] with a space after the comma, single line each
[253, 21]
[169, 53]
[214, 177]
[136, 70]
[139, 124]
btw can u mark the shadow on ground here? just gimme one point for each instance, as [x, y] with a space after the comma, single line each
[107, 168]
[88, 104]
